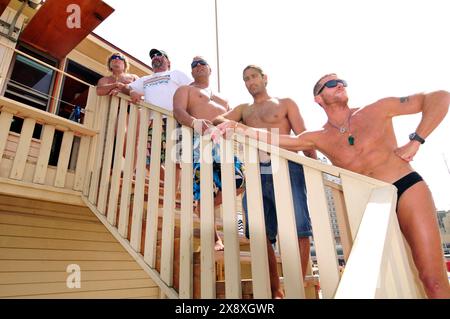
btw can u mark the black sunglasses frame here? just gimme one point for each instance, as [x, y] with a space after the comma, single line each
[331, 84]
[157, 54]
[197, 62]
[117, 57]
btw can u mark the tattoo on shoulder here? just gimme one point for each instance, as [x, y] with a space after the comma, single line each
[404, 99]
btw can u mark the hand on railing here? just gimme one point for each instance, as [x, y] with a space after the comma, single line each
[135, 97]
[226, 129]
[119, 87]
[202, 126]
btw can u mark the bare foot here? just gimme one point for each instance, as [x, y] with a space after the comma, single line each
[278, 294]
[218, 246]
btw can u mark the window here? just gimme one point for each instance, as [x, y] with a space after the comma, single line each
[31, 82]
[75, 93]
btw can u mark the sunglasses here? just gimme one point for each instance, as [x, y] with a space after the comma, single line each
[117, 57]
[156, 54]
[331, 84]
[197, 62]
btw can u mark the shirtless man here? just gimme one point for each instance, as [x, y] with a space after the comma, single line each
[284, 115]
[195, 105]
[119, 80]
[363, 140]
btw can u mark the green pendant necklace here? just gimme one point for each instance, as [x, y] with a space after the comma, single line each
[342, 129]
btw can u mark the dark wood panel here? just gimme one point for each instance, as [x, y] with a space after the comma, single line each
[3, 5]
[48, 30]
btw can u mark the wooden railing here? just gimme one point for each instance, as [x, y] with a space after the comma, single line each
[126, 196]
[16, 150]
[381, 266]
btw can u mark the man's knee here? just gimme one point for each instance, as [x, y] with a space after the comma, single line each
[433, 283]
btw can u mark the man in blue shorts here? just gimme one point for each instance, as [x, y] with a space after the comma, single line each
[281, 114]
[195, 105]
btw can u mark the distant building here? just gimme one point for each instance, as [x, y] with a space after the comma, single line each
[330, 202]
[443, 218]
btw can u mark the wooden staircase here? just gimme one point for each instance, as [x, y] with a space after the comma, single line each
[311, 282]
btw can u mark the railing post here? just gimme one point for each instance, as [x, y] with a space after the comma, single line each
[187, 231]
[208, 269]
[5, 125]
[258, 242]
[139, 187]
[63, 160]
[323, 233]
[290, 254]
[23, 149]
[167, 240]
[232, 251]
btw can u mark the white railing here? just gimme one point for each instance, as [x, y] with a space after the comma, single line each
[359, 200]
[25, 159]
[114, 184]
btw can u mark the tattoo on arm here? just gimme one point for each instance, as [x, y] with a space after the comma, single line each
[404, 99]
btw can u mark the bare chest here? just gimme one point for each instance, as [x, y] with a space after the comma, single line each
[203, 104]
[269, 114]
[367, 144]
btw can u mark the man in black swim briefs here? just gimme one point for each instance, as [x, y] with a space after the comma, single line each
[363, 140]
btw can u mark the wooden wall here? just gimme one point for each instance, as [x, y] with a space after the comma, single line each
[38, 240]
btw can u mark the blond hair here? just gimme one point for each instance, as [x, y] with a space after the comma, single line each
[125, 61]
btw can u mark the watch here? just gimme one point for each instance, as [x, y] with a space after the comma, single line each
[416, 137]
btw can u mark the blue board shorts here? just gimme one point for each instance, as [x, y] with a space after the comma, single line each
[217, 178]
[302, 219]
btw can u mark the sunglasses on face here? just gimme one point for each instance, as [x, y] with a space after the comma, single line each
[331, 84]
[117, 57]
[156, 54]
[195, 63]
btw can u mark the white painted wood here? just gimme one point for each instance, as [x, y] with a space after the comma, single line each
[5, 124]
[356, 194]
[322, 231]
[138, 200]
[128, 172]
[232, 252]
[82, 163]
[107, 155]
[151, 230]
[288, 239]
[117, 164]
[48, 133]
[26, 111]
[186, 232]
[258, 242]
[90, 113]
[100, 123]
[405, 275]
[23, 149]
[361, 277]
[208, 271]
[167, 239]
[63, 160]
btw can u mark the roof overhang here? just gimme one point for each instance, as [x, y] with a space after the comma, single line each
[3, 5]
[59, 26]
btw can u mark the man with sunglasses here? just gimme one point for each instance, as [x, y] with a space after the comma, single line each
[363, 140]
[158, 89]
[281, 114]
[195, 105]
[119, 79]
